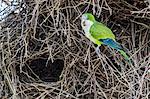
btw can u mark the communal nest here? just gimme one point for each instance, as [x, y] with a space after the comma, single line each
[45, 55]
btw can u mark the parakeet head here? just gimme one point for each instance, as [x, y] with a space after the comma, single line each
[87, 20]
[88, 16]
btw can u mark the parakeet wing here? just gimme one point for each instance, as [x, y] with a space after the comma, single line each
[100, 31]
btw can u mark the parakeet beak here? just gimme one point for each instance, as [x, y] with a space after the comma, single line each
[84, 17]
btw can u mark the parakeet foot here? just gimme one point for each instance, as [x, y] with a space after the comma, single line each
[98, 50]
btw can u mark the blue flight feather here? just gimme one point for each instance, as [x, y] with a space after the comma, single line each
[111, 43]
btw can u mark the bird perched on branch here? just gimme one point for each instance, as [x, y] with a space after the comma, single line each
[99, 34]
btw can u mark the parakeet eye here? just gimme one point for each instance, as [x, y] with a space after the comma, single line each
[84, 23]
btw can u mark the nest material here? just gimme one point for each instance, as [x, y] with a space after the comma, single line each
[45, 40]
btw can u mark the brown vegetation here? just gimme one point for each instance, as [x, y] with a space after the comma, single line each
[44, 54]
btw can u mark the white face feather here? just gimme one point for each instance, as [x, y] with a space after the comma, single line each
[86, 25]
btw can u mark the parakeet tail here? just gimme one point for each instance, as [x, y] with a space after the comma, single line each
[113, 44]
[124, 55]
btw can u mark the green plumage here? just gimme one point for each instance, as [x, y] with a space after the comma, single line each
[100, 31]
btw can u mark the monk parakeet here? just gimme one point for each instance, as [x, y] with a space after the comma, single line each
[99, 34]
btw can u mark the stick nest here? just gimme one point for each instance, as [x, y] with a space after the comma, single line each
[44, 54]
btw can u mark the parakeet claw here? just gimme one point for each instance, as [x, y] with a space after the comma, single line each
[98, 50]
